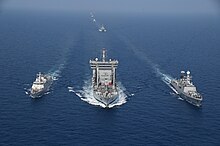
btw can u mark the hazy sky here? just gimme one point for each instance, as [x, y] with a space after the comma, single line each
[118, 6]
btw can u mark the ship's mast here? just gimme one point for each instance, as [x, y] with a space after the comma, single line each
[188, 77]
[39, 75]
[103, 54]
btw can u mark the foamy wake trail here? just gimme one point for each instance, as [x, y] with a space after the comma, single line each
[86, 94]
[165, 78]
[141, 55]
[56, 71]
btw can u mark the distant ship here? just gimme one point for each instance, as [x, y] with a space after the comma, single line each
[102, 29]
[41, 85]
[185, 88]
[104, 79]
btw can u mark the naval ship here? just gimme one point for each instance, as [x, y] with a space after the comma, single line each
[102, 29]
[186, 89]
[41, 85]
[104, 79]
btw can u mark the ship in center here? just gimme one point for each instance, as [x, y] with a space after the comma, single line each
[104, 79]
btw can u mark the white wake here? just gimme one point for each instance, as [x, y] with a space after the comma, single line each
[56, 71]
[166, 78]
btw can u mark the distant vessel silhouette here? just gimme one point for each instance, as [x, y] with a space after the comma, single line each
[102, 29]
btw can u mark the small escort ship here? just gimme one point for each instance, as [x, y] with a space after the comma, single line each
[41, 85]
[102, 29]
[186, 89]
[104, 79]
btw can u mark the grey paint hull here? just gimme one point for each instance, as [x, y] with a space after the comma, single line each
[104, 100]
[186, 97]
[190, 100]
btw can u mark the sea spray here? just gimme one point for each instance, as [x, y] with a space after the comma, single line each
[55, 72]
[86, 94]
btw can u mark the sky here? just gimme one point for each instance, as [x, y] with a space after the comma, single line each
[117, 6]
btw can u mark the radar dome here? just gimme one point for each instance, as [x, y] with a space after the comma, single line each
[182, 72]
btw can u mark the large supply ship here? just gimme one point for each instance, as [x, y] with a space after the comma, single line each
[104, 79]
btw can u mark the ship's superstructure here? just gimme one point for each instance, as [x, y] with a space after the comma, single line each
[186, 89]
[41, 85]
[104, 79]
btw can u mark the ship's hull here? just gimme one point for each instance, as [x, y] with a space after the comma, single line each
[105, 100]
[186, 97]
[191, 100]
[102, 30]
[39, 93]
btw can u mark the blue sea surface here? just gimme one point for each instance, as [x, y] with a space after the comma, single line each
[147, 48]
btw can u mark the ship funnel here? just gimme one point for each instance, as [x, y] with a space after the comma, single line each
[103, 54]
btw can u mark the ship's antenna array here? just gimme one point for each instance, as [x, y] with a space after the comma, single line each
[103, 54]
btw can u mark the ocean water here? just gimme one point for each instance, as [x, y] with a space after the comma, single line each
[148, 49]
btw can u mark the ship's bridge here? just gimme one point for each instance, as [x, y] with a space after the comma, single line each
[103, 65]
[103, 71]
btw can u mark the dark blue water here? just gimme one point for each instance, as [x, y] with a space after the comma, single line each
[145, 46]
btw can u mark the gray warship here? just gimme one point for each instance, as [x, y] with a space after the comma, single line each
[102, 29]
[104, 79]
[41, 85]
[186, 89]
